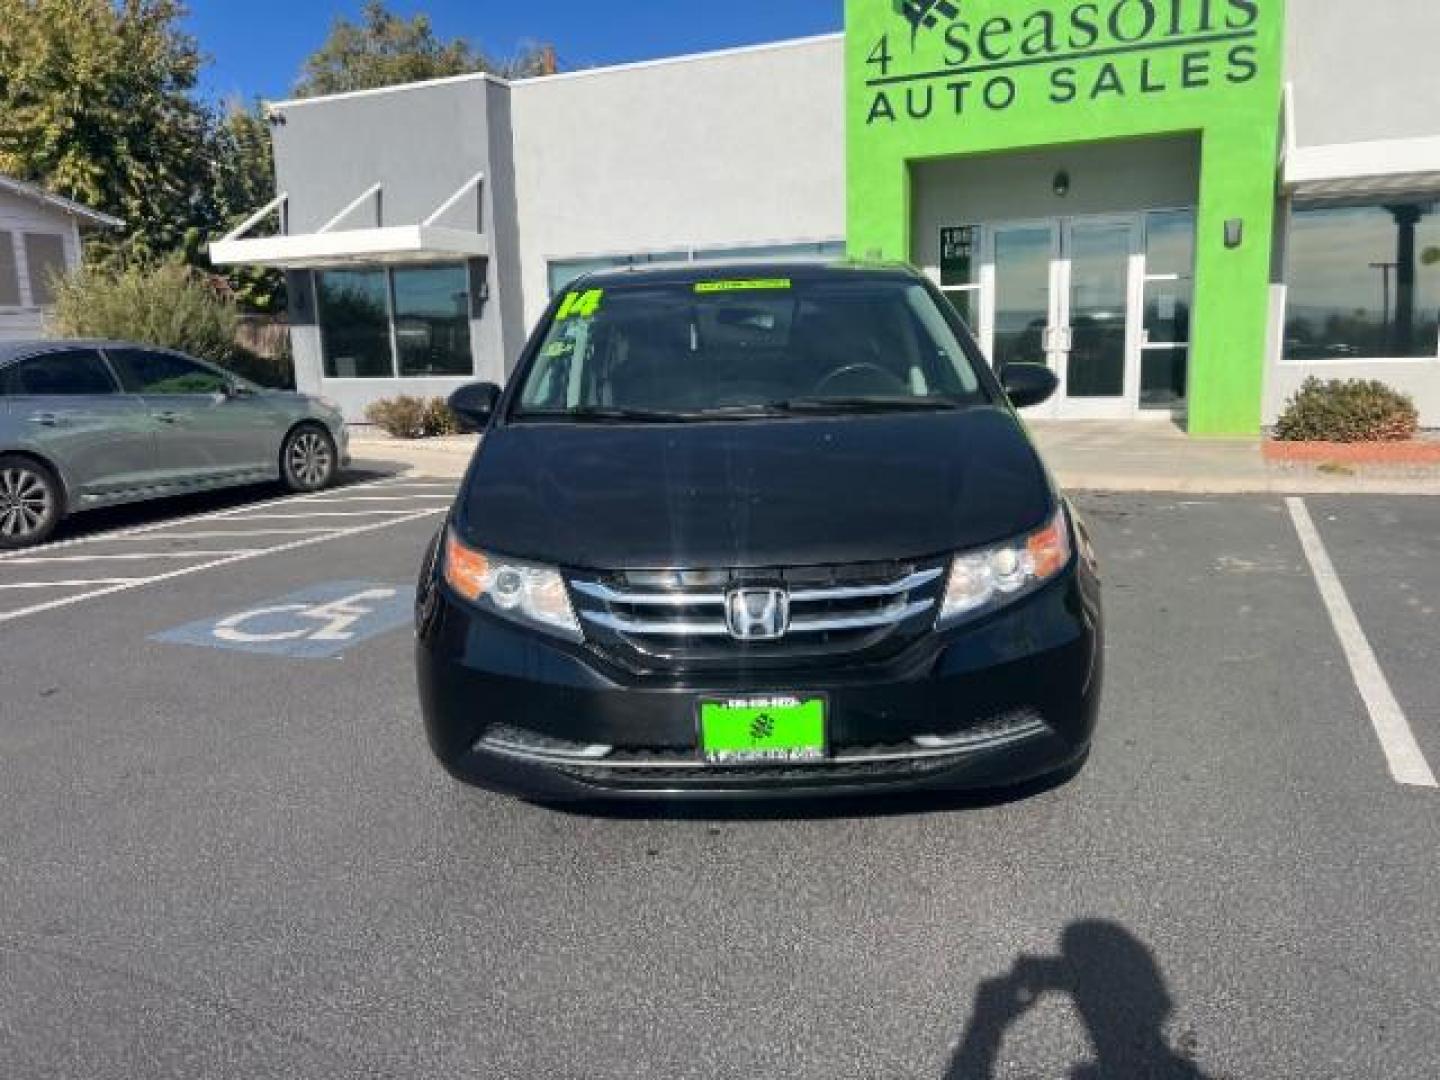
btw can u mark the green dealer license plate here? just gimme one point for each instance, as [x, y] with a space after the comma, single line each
[775, 728]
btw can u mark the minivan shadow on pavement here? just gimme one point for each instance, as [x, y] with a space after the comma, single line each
[818, 809]
[1118, 993]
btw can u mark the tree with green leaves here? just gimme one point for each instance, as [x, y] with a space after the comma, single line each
[96, 104]
[242, 179]
[384, 49]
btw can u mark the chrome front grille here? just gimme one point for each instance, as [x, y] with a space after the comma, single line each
[680, 616]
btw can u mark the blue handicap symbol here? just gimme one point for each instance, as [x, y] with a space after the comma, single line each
[315, 623]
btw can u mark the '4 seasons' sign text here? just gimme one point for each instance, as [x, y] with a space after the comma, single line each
[942, 59]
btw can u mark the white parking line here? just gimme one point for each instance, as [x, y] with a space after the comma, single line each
[87, 583]
[330, 514]
[381, 498]
[130, 556]
[222, 534]
[310, 541]
[1407, 763]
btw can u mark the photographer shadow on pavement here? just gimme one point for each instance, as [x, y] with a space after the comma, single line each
[1119, 995]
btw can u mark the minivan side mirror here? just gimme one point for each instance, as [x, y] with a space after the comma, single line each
[474, 404]
[1028, 384]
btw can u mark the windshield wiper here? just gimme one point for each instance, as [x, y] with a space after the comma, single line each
[605, 414]
[866, 404]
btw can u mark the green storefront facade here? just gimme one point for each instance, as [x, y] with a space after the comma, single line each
[1037, 80]
[1186, 208]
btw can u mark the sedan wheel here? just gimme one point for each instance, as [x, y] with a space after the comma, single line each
[309, 459]
[29, 503]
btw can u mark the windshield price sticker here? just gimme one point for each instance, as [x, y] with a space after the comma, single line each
[584, 305]
[742, 286]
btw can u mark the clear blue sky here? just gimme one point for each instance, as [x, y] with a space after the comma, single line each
[257, 46]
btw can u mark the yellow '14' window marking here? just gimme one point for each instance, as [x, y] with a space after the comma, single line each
[584, 304]
[742, 286]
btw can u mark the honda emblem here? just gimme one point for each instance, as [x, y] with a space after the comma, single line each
[757, 614]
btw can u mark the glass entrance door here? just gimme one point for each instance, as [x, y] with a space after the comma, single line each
[1023, 321]
[1096, 279]
[1066, 293]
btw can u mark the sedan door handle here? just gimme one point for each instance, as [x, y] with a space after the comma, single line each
[49, 419]
[167, 417]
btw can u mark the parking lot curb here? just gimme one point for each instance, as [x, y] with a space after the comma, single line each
[1230, 485]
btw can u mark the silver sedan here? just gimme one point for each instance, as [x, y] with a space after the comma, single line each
[85, 424]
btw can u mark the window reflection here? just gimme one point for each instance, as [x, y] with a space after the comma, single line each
[355, 324]
[432, 321]
[1364, 281]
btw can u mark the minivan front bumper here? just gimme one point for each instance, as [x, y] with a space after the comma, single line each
[1009, 698]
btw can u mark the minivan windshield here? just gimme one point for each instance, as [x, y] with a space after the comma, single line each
[719, 349]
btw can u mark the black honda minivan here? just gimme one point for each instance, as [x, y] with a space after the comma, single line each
[763, 529]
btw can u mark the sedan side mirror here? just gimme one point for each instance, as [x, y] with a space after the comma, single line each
[475, 404]
[1028, 384]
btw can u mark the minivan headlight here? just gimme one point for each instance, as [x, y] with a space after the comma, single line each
[520, 591]
[986, 579]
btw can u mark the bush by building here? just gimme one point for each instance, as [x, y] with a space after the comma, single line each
[1347, 411]
[413, 418]
[169, 305]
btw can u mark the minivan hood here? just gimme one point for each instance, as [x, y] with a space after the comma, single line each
[755, 493]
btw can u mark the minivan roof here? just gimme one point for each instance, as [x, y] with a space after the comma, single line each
[689, 272]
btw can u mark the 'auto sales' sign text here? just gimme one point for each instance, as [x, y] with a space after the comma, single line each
[952, 57]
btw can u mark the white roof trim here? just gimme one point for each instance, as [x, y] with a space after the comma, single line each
[485, 76]
[394, 244]
[1387, 165]
[58, 202]
[688, 58]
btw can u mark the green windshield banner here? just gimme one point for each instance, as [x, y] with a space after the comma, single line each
[929, 80]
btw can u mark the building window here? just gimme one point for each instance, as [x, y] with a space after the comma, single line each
[432, 321]
[1169, 293]
[1364, 282]
[45, 256]
[355, 324]
[9, 272]
[564, 271]
[411, 322]
[960, 271]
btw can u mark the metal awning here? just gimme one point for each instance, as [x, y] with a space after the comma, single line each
[331, 246]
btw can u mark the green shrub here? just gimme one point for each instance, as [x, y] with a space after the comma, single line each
[439, 420]
[167, 304]
[1348, 411]
[402, 417]
[413, 418]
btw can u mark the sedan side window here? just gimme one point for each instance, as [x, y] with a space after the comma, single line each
[145, 372]
[65, 373]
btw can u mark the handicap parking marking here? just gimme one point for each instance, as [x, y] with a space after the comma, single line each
[320, 622]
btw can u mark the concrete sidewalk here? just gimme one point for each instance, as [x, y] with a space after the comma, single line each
[1085, 456]
[1158, 456]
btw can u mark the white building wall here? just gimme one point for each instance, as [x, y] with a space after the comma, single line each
[741, 147]
[19, 215]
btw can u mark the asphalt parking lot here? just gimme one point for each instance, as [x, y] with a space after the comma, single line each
[225, 850]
